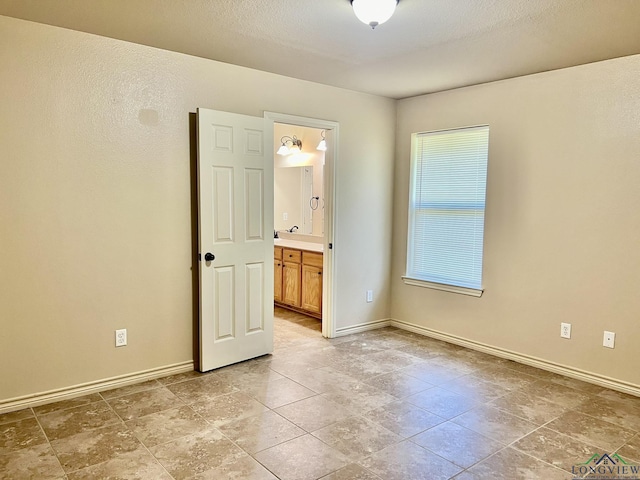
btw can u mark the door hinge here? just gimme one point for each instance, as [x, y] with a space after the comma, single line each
[331, 246]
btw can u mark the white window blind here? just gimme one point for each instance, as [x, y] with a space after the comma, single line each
[446, 207]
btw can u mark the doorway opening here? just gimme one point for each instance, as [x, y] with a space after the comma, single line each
[304, 219]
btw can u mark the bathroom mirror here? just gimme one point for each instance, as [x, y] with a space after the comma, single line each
[295, 200]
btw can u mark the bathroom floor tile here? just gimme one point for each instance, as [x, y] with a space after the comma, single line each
[631, 449]
[474, 388]
[138, 464]
[556, 393]
[66, 404]
[495, 424]
[314, 413]
[509, 464]
[65, 423]
[407, 460]
[303, 458]
[529, 407]
[244, 468]
[201, 389]
[555, 448]
[442, 402]
[457, 444]
[167, 425]
[356, 437]
[262, 431]
[20, 434]
[94, 446]
[144, 403]
[403, 418]
[196, 454]
[614, 411]
[432, 372]
[591, 430]
[228, 408]
[398, 384]
[15, 416]
[37, 462]
[352, 471]
[358, 397]
[279, 392]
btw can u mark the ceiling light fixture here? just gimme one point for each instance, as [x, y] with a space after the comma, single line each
[296, 145]
[322, 146]
[374, 12]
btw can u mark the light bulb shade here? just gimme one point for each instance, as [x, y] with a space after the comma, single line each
[322, 146]
[374, 12]
[283, 150]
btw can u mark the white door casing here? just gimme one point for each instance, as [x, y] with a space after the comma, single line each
[235, 220]
[330, 210]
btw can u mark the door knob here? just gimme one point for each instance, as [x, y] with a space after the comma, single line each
[209, 257]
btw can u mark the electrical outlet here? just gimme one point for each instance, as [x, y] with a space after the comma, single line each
[565, 330]
[369, 296]
[609, 339]
[285, 216]
[121, 337]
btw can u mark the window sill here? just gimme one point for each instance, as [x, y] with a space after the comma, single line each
[440, 286]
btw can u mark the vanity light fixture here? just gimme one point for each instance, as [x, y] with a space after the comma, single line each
[374, 12]
[296, 145]
[322, 146]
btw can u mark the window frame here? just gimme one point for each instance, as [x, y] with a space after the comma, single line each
[414, 280]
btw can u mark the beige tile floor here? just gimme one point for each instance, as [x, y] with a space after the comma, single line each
[386, 404]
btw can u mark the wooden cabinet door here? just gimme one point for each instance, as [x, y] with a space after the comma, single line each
[312, 288]
[277, 280]
[291, 284]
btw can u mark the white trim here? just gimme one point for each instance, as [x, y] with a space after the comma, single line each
[330, 210]
[41, 398]
[441, 286]
[540, 363]
[363, 327]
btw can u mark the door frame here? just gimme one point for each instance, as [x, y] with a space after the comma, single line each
[329, 186]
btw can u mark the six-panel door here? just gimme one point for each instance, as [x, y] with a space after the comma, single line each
[235, 192]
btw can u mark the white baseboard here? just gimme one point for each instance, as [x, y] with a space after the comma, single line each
[33, 400]
[363, 327]
[576, 373]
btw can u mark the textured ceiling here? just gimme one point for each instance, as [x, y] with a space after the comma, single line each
[427, 46]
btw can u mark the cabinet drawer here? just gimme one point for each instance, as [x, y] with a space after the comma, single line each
[310, 258]
[277, 253]
[291, 255]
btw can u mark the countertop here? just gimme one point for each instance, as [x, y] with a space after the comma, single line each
[308, 246]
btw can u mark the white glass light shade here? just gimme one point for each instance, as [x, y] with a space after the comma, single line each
[322, 146]
[283, 150]
[294, 149]
[374, 12]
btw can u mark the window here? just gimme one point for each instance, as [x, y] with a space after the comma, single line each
[446, 209]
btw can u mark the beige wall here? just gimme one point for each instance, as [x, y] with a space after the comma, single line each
[562, 240]
[96, 200]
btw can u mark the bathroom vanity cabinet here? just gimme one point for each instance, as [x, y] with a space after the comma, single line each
[298, 280]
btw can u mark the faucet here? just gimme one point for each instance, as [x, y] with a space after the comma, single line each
[293, 229]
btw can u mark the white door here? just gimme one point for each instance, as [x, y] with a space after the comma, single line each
[235, 217]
